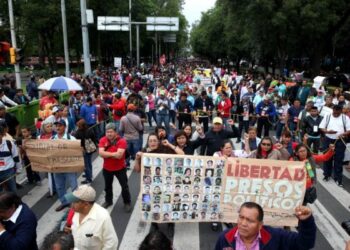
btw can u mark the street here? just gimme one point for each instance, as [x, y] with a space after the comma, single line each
[331, 208]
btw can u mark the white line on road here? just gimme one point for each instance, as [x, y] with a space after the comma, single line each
[329, 227]
[135, 231]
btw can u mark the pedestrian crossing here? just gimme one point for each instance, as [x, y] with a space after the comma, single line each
[331, 208]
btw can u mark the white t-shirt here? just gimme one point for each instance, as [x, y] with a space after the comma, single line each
[335, 124]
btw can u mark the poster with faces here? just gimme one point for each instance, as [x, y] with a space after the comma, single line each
[180, 188]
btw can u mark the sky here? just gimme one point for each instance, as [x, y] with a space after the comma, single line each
[193, 9]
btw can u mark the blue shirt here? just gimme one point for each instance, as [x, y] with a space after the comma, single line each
[89, 114]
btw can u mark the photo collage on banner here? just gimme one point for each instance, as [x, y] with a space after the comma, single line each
[180, 188]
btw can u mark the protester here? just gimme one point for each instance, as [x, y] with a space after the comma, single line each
[20, 98]
[266, 150]
[88, 143]
[61, 179]
[112, 149]
[5, 101]
[11, 121]
[250, 232]
[336, 128]
[265, 112]
[58, 241]
[32, 88]
[130, 127]
[9, 158]
[92, 226]
[18, 224]
[118, 108]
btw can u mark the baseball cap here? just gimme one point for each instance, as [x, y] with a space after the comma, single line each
[82, 193]
[217, 120]
[61, 122]
[56, 109]
[131, 107]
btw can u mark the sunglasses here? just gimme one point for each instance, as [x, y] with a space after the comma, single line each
[265, 144]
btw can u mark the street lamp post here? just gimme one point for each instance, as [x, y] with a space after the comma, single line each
[65, 39]
[14, 43]
[85, 32]
[130, 33]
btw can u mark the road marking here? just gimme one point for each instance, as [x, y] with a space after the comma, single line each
[36, 193]
[340, 194]
[186, 236]
[328, 226]
[136, 230]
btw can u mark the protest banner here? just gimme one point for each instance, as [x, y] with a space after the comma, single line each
[278, 186]
[181, 188]
[55, 156]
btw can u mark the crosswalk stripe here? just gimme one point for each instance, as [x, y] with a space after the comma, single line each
[135, 231]
[341, 194]
[188, 231]
[328, 226]
[35, 194]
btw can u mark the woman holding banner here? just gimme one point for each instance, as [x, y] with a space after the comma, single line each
[302, 153]
[154, 145]
[267, 150]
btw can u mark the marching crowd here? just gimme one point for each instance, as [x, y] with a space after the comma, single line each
[110, 117]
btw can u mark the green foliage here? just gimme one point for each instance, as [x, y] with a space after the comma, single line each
[272, 30]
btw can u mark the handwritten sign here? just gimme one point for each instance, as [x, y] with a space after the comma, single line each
[55, 156]
[179, 188]
[278, 186]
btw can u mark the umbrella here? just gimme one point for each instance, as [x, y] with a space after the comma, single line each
[60, 84]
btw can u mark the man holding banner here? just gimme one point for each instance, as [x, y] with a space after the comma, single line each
[250, 233]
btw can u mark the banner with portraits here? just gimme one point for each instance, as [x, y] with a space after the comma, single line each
[181, 188]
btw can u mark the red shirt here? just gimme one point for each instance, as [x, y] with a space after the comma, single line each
[113, 164]
[118, 104]
[46, 100]
[224, 108]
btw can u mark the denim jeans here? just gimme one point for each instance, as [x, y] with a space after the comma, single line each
[123, 181]
[151, 114]
[133, 147]
[117, 124]
[88, 166]
[60, 182]
[11, 183]
[164, 119]
[279, 129]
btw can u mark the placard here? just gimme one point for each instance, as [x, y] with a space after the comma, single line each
[55, 156]
[181, 188]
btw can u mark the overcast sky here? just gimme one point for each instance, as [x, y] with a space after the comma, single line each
[193, 9]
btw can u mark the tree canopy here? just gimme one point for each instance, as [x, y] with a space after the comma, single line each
[274, 31]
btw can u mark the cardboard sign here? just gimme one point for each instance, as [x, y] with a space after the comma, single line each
[181, 188]
[55, 156]
[117, 62]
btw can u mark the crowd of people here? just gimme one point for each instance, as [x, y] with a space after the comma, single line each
[183, 113]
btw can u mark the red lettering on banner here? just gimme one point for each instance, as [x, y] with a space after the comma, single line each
[286, 175]
[254, 171]
[275, 171]
[244, 171]
[299, 174]
[265, 172]
[229, 170]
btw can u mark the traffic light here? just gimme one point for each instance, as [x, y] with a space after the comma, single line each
[12, 55]
[19, 55]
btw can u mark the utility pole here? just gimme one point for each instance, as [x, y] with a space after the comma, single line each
[85, 32]
[14, 43]
[137, 45]
[130, 34]
[65, 39]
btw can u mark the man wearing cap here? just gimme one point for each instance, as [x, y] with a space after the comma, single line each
[62, 178]
[336, 127]
[216, 136]
[162, 109]
[130, 127]
[112, 149]
[55, 116]
[92, 226]
[265, 112]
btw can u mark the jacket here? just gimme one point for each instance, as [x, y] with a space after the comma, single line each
[22, 234]
[275, 238]
[268, 109]
[213, 140]
[224, 108]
